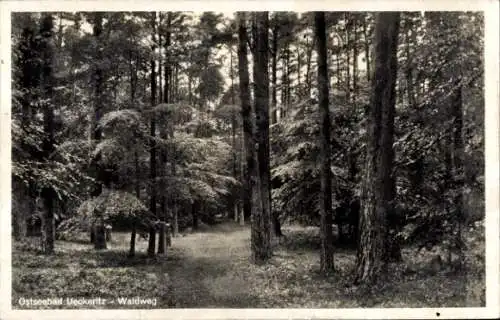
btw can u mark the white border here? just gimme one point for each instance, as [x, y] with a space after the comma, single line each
[492, 177]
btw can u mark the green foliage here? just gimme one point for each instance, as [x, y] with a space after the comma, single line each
[295, 166]
[111, 206]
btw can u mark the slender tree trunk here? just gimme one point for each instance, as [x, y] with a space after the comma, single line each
[287, 74]
[166, 88]
[378, 187]
[274, 61]
[308, 65]
[355, 60]
[348, 56]
[299, 66]
[47, 82]
[176, 84]
[152, 159]
[194, 214]
[160, 64]
[136, 165]
[274, 118]
[233, 134]
[367, 50]
[97, 79]
[326, 251]
[283, 89]
[133, 237]
[100, 235]
[190, 95]
[175, 213]
[246, 113]
[163, 135]
[410, 34]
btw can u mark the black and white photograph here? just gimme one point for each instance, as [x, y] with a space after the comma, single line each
[209, 159]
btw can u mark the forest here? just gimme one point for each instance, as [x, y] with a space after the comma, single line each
[248, 160]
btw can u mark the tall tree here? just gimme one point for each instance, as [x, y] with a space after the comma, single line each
[326, 253]
[261, 204]
[152, 159]
[246, 113]
[165, 97]
[274, 63]
[47, 82]
[378, 185]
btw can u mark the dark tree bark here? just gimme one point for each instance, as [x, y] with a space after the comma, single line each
[98, 78]
[163, 133]
[246, 113]
[378, 185]
[96, 169]
[166, 88]
[133, 236]
[261, 218]
[355, 59]
[274, 111]
[137, 186]
[299, 66]
[100, 235]
[348, 55]
[308, 65]
[194, 214]
[152, 159]
[261, 76]
[30, 77]
[233, 134]
[326, 250]
[274, 62]
[47, 62]
[410, 38]
[367, 49]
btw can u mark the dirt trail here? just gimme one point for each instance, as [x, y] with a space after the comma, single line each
[206, 275]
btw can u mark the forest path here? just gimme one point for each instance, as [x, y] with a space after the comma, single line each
[208, 272]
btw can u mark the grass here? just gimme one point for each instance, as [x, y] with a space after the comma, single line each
[211, 269]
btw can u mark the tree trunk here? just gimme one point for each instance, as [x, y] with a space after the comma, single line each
[152, 159]
[261, 219]
[97, 79]
[410, 35]
[308, 65]
[194, 214]
[133, 236]
[274, 51]
[100, 236]
[246, 113]
[367, 50]
[348, 57]
[355, 60]
[163, 134]
[166, 88]
[242, 216]
[48, 194]
[378, 186]
[326, 251]
[299, 66]
[162, 239]
[233, 135]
